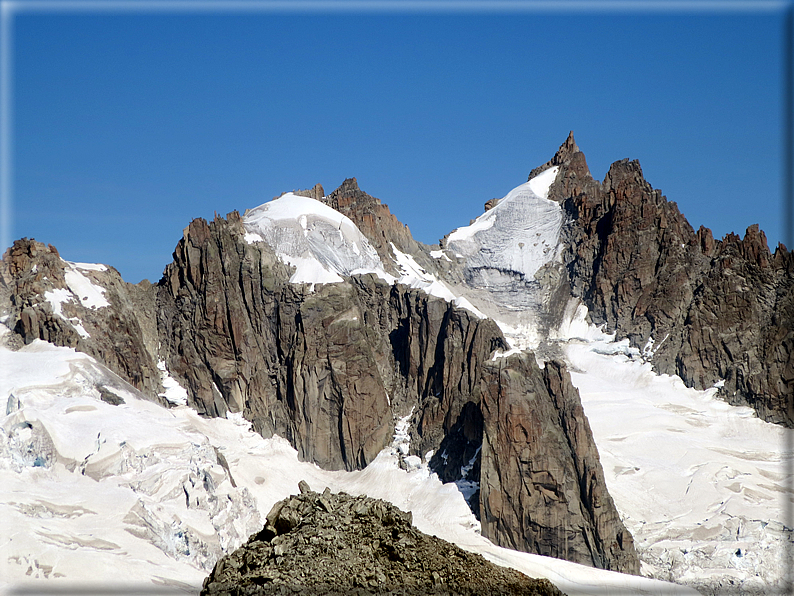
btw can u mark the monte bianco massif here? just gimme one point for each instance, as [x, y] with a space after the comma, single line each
[577, 386]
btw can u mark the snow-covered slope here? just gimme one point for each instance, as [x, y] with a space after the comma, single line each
[699, 483]
[506, 246]
[324, 246]
[102, 493]
[321, 243]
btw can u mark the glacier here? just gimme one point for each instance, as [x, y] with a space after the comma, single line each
[138, 490]
[125, 485]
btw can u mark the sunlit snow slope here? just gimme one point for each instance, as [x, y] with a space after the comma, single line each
[324, 246]
[506, 246]
[699, 483]
[136, 493]
[321, 243]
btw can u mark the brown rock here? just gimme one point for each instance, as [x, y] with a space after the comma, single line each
[542, 487]
[121, 335]
[716, 309]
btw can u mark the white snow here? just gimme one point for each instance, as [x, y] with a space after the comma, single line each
[88, 266]
[80, 288]
[137, 490]
[415, 276]
[325, 246]
[57, 298]
[649, 351]
[696, 480]
[90, 295]
[520, 234]
[440, 254]
[482, 223]
[309, 270]
[174, 392]
[541, 183]
[322, 244]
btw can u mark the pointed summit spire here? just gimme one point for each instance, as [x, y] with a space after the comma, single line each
[567, 156]
[569, 147]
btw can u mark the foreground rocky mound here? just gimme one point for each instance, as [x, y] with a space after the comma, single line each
[338, 544]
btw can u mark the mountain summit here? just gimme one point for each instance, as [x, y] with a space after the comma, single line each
[488, 362]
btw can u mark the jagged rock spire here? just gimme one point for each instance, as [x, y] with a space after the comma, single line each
[574, 176]
[569, 147]
[567, 155]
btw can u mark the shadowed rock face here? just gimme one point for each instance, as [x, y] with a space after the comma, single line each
[716, 309]
[338, 544]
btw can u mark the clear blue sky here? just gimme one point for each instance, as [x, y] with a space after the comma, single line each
[129, 125]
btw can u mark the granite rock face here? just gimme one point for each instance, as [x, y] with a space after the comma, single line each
[331, 370]
[338, 544]
[327, 369]
[708, 310]
[542, 486]
[377, 223]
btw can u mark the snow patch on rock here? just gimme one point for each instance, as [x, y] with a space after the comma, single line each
[174, 392]
[415, 276]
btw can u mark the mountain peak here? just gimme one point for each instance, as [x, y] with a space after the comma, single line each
[568, 157]
[569, 147]
[349, 185]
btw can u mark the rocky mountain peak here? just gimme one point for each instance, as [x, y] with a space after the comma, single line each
[316, 192]
[83, 306]
[641, 269]
[566, 155]
[373, 218]
[625, 173]
[574, 177]
[350, 185]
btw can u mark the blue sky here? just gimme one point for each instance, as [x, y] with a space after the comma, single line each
[129, 124]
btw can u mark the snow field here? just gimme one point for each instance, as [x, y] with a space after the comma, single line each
[140, 491]
[699, 483]
[413, 275]
[520, 234]
[321, 243]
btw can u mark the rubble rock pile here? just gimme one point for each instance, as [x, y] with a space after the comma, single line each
[339, 544]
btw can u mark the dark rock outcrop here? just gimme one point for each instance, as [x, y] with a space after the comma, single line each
[338, 544]
[715, 309]
[542, 488]
[34, 284]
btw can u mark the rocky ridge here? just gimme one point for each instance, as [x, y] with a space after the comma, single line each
[86, 307]
[332, 369]
[338, 544]
[711, 311]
